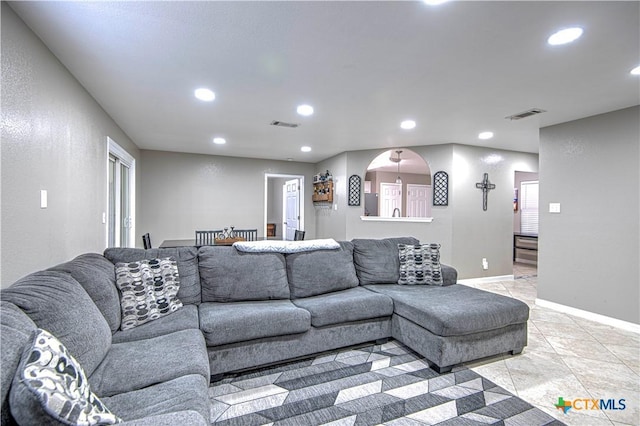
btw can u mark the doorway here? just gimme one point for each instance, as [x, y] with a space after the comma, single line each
[120, 196]
[284, 205]
[525, 224]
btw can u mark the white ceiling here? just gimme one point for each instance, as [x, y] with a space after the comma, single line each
[456, 69]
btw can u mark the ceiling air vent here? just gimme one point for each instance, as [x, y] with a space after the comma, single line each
[525, 114]
[284, 124]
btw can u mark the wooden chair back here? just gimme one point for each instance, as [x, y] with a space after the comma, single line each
[146, 241]
[207, 238]
[247, 234]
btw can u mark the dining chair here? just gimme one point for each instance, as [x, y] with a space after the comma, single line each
[207, 238]
[146, 241]
[247, 234]
[298, 236]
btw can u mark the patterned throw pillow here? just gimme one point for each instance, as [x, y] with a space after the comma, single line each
[420, 264]
[148, 290]
[50, 387]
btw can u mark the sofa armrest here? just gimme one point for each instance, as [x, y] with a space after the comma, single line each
[187, 417]
[449, 275]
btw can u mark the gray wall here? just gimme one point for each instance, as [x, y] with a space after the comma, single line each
[465, 231]
[331, 222]
[54, 137]
[180, 193]
[274, 203]
[589, 253]
[479, 234]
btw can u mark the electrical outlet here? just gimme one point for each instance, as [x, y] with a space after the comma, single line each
[485, 263]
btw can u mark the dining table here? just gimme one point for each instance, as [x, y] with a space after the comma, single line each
[192, 242]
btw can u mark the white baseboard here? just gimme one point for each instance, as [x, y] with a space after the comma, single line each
[486, 279]
[614, 322]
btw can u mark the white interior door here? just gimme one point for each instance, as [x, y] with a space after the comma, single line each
[390, 199]
[418, 197]
[291, 195]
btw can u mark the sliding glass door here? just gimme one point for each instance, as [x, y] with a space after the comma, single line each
[121, 177]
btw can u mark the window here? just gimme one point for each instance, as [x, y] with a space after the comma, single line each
[121, 196]
[529, 207]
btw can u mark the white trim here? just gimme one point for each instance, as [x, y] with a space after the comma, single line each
[395, 219]
[266, 200]
[129, 161]
[603, 319]
[483, 280]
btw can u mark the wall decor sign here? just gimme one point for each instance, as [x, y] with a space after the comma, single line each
[355, 186]
[441, 189]
[485, 185]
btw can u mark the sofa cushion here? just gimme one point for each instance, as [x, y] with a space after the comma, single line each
[148, 290]
[187, 258]
[455, 310]
[184, 318]
[224, 323]
[377, 261]
[321, 271]
[182, 393]
[135, 365]
[354, 304]
[96, 274]
[420, 264]
[50, 387]
[57, 303]
[16, 331]
[231, 276]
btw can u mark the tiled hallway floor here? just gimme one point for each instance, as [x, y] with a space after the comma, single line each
[567, 357]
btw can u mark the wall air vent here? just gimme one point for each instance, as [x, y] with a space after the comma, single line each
[284, 124]
[525, 114]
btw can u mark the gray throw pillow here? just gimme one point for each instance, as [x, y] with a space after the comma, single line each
[51, 388]
[420, 264]
[148, 290]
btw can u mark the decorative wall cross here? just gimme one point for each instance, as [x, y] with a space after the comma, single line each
[485, 185]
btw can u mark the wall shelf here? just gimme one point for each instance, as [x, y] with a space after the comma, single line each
[323, 192]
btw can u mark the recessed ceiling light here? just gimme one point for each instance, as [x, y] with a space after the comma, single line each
[565, 36]
[435, 2]
[219, 141]
[305, 110]
[204, 94]
[408, 124]
[636, 70]
[485, 135]
[305, 149]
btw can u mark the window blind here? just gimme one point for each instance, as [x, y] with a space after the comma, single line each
[529, 207]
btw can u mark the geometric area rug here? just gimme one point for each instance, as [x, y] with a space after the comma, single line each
[386, 384]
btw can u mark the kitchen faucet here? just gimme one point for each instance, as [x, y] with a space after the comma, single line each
[394, 212]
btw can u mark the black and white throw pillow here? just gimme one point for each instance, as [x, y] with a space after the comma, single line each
[420, 264]
[148, 290]
[50, 387]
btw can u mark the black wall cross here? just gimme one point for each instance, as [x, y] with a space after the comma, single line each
[485, 185]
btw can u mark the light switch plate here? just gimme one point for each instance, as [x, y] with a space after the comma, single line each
[43, 199]
[554, 207]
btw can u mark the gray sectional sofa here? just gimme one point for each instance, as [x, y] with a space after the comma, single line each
[240, 311]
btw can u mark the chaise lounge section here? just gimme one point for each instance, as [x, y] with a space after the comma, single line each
[241, 310]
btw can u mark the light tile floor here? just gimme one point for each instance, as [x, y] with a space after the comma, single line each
[567, 357]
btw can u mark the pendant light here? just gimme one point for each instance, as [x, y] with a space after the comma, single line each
[397, 161]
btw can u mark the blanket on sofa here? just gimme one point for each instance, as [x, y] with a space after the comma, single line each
[278, 246]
